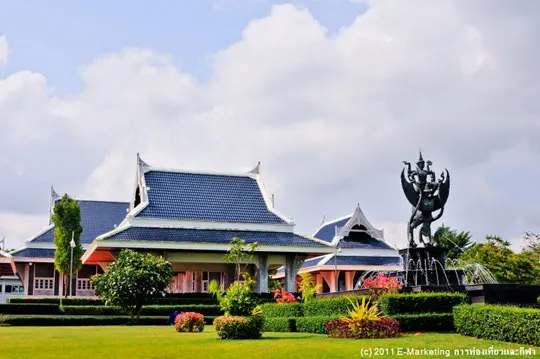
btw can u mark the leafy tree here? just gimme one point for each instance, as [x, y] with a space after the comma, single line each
[505, 265]
[67, 221]
[456, 242]
[533, 243]
[239, 253]
[133, 280]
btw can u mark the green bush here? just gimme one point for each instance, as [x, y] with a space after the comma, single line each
[272, 310]
[329, 307]
[230, 327]
[17, 308]
[313, 324]
[494, 322]
[425, 322]
[274, 324]
[64, 301]
[538, 300]
[80, 320]
[185, 301]
[91, 310]
[392, 304]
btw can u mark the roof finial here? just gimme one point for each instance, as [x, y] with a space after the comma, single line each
[323, 219]
[140, 162]
[257, 168]
[420, 158]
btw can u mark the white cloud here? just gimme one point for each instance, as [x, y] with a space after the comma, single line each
[330, 117]
[4, 50]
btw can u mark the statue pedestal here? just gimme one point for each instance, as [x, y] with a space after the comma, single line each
[425, 266]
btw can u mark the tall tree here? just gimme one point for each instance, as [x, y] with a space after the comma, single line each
[456, 242]
[133, 280]
[505, 265]
[67, 221]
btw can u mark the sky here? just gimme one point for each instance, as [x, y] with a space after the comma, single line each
[331, 96]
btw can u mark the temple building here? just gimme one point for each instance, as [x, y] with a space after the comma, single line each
[358, 247]
[189, 218]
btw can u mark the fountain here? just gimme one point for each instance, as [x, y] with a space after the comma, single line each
[426, 266]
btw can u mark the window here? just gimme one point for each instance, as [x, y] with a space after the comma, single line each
[43, 283]
[207, 277]
[14, 289]
[84, 284]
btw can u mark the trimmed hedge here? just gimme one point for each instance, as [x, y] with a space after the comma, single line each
[313, 324]
[273, 310]
[64, 320]
[393, 304]
[204, 309]
[151, 310]
[16, 308]
[425, 322]
[329, 307]
[274, 324]
[235, 327]
[65, 301]
[496, 322]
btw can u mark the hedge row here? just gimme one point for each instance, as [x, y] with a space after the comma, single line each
[272, 310]
[329, 307]
[14, 308]
[300, 324]
[64, 301]
[97, 302]
[86, 320]
[426, 322]
[494, 322]
[393, 304]
[92, 310]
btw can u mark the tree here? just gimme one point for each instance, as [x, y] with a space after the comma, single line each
[133, 280]
[505, 265]
[67, 221]
[239, 253]
[455, 242]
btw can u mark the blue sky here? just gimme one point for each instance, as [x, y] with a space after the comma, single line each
[56, 37]
[330, 95]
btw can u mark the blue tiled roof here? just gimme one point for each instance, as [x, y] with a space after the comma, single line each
[328, 231]
[34, 253]
[206, 197]
[365, 243]
[213, 236]
[361, 260]
[97, 217]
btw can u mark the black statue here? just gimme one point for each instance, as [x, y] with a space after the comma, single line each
[427, 195]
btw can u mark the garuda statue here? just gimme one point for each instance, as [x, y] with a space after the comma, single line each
[426, 194]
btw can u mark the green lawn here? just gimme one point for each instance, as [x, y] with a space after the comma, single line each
[162, 342]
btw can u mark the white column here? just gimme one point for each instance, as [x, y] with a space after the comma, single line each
[290, 273]
[262, 285]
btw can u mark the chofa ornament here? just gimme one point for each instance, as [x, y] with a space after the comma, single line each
[427, 195]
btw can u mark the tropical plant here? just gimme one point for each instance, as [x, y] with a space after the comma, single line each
[381, 284]
[190, 322]
[456, 242]
[238, 299]
[67, 220]
[133, 280]
[239, 253]
[362, 311]
[307, 287]
[283, 297]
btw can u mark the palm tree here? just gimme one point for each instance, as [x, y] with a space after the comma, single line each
[456, 242]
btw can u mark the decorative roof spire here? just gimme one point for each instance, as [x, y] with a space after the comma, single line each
[420, 158]
[257, 168]
[140, 162]
[54, 197]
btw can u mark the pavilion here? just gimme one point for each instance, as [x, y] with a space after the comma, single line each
[358, 248]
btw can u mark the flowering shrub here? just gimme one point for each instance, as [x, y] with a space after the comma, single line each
[230, 327]
[283, 297]
[238, 299]
[382, 284]
[362, 328]
[189, 322]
